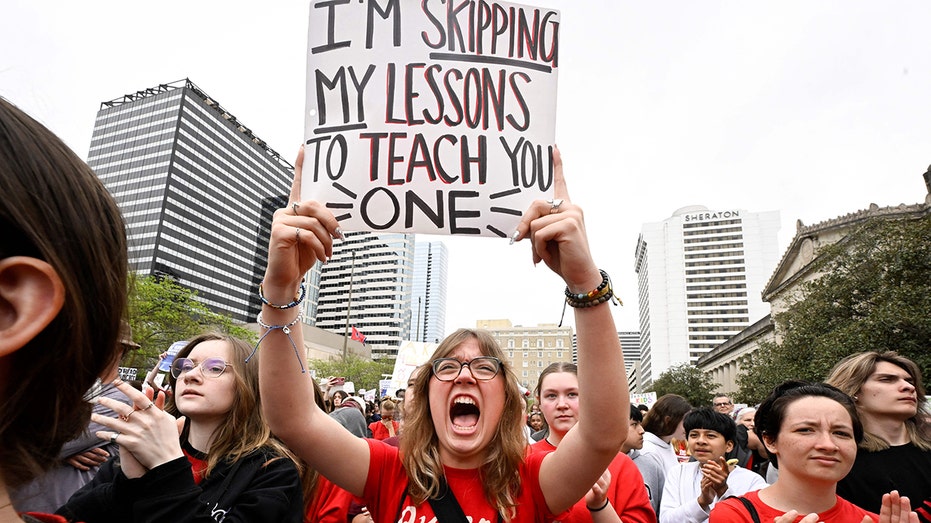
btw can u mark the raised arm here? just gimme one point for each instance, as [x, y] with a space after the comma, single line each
[558, 238]
[301, 235]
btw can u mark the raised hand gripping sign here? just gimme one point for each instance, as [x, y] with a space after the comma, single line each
[430, 116]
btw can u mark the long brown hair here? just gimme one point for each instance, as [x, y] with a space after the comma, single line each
[420, 445]
[245, 429]
[851, 373]
[53, 208]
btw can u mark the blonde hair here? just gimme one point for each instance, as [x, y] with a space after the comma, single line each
[245, 430]
[499, 472]
[852, 372]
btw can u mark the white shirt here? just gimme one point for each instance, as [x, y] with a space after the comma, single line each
[683, 485]
[653, 443]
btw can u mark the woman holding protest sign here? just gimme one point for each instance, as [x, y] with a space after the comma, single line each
[463, 450]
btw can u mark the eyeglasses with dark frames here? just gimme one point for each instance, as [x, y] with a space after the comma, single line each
[210, 367]
[483, 368]
[723, 404]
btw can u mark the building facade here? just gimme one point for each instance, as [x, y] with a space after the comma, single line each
[529, 350]
[630, 347]
[431, 260]
[367, 284]
[197, 190]
[798, 266]
[700, 277]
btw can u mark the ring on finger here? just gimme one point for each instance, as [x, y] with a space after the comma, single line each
[149, 406]
[125, 417]
[294, 207]
[554, 203]
[297, 234]
[114, 436]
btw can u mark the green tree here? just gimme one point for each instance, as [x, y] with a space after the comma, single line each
[875, 294]
[687, 381]
[362, 373]
[161, 312]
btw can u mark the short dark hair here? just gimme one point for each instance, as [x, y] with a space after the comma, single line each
[709, 419]
[635, 414]
[771, 413]
[666, 414]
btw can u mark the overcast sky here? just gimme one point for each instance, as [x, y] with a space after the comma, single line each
[814, 109]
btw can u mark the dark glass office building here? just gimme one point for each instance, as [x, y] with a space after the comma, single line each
[197, 189]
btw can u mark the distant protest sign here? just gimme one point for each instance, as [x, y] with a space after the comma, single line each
[430, 116]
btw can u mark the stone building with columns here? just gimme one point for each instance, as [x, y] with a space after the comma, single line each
[797, 266]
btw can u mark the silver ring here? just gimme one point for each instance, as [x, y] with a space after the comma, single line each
[555, 203]
[114, 436]
[294, 207]
[149, 406]
[297, 234]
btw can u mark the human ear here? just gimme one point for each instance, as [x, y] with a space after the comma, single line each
[769, 443]
[729, 446]
[31, 296]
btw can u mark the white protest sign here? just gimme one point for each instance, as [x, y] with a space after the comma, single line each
[430, 116]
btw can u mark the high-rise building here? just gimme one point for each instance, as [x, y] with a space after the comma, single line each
[700, 278]
[529, 350]
[197, 189]
[369, 278]
[630, 347]
[429, 296]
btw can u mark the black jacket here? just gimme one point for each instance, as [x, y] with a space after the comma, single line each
[261, 486]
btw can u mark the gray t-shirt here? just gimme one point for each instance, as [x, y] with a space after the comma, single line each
[51, 490]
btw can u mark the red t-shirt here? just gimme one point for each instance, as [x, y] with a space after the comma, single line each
[733, 511]
[330, 503]
[380, 430]
[627, 493]
[386, 485]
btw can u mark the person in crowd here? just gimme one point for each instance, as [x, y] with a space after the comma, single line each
[351, 415]
[62, 297]
[722, 403]
[896, 448]
[643, 409]
[336, 400]
[811, 431]
[756, 458]
[692, 489]
[463, 442]
[651, 465]
[620, 494]
[225, 466]
[386, 427]
[324, 502]
[662, 423]
[82, 456]
[399, 412]
[535, 421]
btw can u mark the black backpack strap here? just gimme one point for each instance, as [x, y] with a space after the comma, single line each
[446, 507]
[749, 506]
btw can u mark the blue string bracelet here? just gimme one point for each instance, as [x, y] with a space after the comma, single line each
[286, 329]
[294, 303]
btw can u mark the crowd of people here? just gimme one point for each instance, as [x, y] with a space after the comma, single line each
[245, 434]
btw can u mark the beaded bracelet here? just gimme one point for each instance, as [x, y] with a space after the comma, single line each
[599, 509]
[601, 289]
[294, 303]
[601, 294]
[286, 329]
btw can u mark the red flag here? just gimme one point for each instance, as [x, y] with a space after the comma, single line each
[358, 336]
